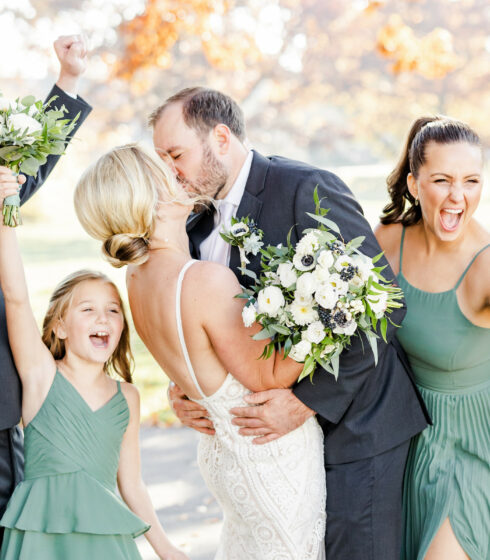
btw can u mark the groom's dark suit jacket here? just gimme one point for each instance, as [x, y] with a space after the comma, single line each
[368, 409]
[10, 388]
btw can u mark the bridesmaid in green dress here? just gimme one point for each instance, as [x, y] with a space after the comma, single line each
[442, 258]
[81, 426]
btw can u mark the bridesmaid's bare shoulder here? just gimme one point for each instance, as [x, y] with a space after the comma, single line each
[389, 238]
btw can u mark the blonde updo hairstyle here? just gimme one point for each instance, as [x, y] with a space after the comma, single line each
[116, 201]
[121, 362]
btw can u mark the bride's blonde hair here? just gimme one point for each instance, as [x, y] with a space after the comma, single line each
[116, 201]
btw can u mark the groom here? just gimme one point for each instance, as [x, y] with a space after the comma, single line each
[71, 52]
[370, 413]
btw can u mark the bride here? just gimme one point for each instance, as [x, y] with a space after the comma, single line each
[273, 495]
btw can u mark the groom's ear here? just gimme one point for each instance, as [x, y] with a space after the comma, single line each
[221, 135]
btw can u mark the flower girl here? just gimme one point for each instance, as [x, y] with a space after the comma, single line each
[81, 426]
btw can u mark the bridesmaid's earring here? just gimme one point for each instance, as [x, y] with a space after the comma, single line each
[416, 202]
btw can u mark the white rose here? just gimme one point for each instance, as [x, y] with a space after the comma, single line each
[300, 351]
[378, 302]
[315, 332]
[327, 296]
[270, 301]
[21, 121]
[321, 275]
[239, 229]
[326, 259]
[306, 285]
[286, 274]
[303, 311]
[248, 315]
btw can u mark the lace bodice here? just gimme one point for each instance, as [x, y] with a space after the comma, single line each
[272, 495]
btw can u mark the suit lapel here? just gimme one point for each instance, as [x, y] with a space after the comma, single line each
[250, 206]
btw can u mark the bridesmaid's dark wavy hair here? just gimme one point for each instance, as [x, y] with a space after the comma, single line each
[440, 129]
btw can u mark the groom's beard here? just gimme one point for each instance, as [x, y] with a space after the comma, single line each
[211, 180]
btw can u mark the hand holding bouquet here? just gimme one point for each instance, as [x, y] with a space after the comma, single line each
[29, 133]
[312, 298]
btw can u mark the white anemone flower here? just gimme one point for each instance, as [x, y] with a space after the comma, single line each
[338, 284]
[239, 229]
[348, 329]
[304, 262]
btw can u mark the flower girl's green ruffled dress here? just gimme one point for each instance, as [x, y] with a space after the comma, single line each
[66, 508]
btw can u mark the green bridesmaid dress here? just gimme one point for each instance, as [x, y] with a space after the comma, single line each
[448, 468]
[66, 508]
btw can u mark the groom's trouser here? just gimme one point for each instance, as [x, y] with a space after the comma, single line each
[11, 465]
[364, 507]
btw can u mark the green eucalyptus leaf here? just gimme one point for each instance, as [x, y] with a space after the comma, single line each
[264, 334]
[325, 221]
[30, 166]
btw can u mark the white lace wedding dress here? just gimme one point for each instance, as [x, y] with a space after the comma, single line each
[272, 495]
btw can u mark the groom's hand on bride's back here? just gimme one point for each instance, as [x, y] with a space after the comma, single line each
[190, 413]
[272, 414]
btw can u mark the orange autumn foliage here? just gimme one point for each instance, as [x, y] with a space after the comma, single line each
[432, 56]
[149, 37]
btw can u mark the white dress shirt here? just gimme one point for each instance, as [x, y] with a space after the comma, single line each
[214, 248]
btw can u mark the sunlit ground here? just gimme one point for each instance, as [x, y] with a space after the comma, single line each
[54, 244]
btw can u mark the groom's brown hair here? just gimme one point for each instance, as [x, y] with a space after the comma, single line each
[203, 109]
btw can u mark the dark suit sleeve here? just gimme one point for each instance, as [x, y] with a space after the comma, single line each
[328, 397]
[74, 107]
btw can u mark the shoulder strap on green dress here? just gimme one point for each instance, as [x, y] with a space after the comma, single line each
[401, 250]
[469, 265]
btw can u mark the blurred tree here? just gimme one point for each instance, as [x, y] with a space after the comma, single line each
[327, 78]
[329, 82]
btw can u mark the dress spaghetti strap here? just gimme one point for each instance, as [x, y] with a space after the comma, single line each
[469, 265]
[401, 250]
[180, 330]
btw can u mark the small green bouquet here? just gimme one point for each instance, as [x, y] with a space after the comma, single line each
[29, 132]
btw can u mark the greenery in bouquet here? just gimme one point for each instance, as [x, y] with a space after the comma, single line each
[312, 298]
[30, 131]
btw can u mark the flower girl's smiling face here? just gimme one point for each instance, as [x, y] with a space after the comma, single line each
[93, 323]
[448, 187]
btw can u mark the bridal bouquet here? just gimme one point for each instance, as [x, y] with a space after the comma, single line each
[29, 133]
[312, 298]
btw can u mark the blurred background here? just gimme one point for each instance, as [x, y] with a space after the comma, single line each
[334, 83]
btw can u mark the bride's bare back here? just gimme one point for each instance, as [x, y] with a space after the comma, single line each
[216, 339]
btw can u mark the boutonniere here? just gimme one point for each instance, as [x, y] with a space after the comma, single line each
[244, 234]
